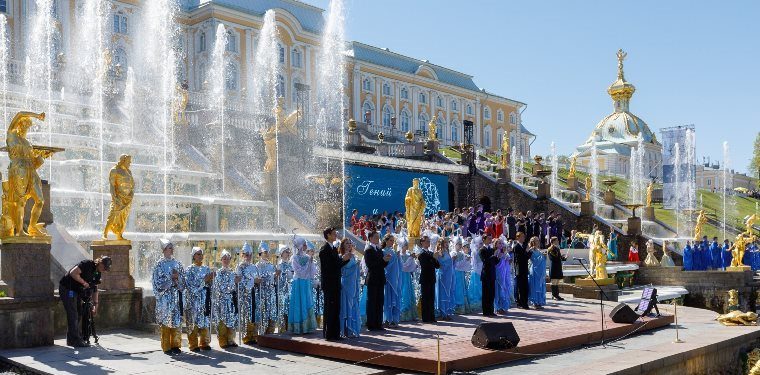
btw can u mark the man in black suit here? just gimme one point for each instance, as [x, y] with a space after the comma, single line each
[511, 225]
[376, 262]
[488, 275]
[428, 264]
[330, 264]
[521, 270]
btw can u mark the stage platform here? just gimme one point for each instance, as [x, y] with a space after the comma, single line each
[560, 326]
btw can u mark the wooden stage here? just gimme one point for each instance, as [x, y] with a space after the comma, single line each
[412, 346]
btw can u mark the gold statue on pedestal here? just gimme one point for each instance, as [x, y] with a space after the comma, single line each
[283, 124]
[503, 161]
[571, 173]
[738, 249]
[599, 249]
[751, 222]
[122, 187]
[181, 99]
[433, 129]
[415, 210]
[23, 181]
[589, 185]
[701, 221]
[650, 190]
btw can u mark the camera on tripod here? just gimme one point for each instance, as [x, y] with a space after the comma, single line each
[88, 321]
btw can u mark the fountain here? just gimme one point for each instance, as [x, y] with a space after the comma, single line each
[729, 204]
[217, 89]
[593, 173]
[4, 54]
[555, 170]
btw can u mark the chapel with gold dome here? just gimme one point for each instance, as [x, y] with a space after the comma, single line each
[617, 135]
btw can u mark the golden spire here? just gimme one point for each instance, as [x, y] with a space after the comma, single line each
[621, 56]
[621, 91]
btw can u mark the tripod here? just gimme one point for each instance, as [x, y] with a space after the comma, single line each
[88, 321]
[602, 296]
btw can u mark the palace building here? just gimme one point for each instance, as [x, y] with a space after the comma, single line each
[385, 89]
[617, 135]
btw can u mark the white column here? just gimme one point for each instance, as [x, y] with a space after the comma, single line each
[397, 93]
[415, 105]
[477, 129]
[447, 129]
[378, 98]
[357, 94]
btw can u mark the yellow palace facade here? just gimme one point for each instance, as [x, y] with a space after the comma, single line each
[384, 89]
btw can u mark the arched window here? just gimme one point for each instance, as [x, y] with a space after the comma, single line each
[231, 79]
[405, 119]
[439, 102]
[281, 53]
[454, 105]
[232, 43]
[423, 98]
[295, 58]
[202, 42]
[422, 121]
[294, 93]
[487, 136]
[386, 89]
[500, 116]
[120, 23]
[404, 93]
[367, 84]
[455, 131]
[368, 107]
[468, 110]
[440, 123]
[487, 113]
[4, 6]
[512, 118]
[387, 114]
[280, 88]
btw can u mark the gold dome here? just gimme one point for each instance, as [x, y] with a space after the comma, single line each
[621, 89]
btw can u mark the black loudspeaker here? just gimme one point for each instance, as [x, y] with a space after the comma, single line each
[497, 336]
[623, 313]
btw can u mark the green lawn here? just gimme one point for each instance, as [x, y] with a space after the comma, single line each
[451, 153]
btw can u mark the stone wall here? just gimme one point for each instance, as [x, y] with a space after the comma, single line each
[707, 289]
[117, 309]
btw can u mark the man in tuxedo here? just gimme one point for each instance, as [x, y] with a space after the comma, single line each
[330, 264]
[376, 262]
[488, 275]
[521, 270]
[511, 225]
[428, 264]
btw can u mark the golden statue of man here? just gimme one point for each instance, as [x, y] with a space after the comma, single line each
[122, 187]
[415, 209]
[599, 250]
[739, 247]
[504, 152]
[750, 223]
[284, 124]
[589, 185]
[23, 181]
[650, 190]
[701, 221]
[571, 173]
[433, 129]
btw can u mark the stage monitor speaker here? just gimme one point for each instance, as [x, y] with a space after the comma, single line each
[648, 302]
[623, 313]
[496, 336]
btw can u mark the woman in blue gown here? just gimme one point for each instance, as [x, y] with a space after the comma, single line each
[445, 282]
[461, 267]
[392, 294]
[474, 289]
[537, 275]
[301, 316]
[612, 244]
[350, 320]
[408, 267]
[363, 298]
[727, 255]
[503, 301]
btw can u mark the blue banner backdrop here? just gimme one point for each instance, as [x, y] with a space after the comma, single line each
[372, 190]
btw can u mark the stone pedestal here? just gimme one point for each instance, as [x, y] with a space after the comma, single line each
[634, 226]
[587, 208]
[269, 185]
[543, 190]
[432, 145]
[328, 215]
[25, 269]
[647, 213]
[504, 175]
[610, 289]
[584, 282]
[27, 323]
[738, 268]
[609, 197]
[572, 183]
[119, 277]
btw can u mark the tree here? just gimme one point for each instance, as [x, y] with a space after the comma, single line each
[754, 164]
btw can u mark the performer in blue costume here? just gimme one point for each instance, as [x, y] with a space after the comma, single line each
[704, 254]
[503, 300]
[727, 256]
[168, 285]
[474, 289]
[716, 260]
[445, 279]
[688, 257]
[462, 265]
[301, 316]
[392, 293]
[537, 275]
[612, 244]
[350, 286]
[226, 302]
[408, 267]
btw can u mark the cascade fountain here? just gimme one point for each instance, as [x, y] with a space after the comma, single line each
[729, 204]
[217, 88]
[555, 169]
[4, 41]
[678, 183]
[513, 165]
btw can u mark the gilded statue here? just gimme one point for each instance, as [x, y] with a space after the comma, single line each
[504, 153]
[650, 189]
[733, 298]
[621, 56]
[284, 124]
[751, 222]
[180, 104]
[739, 247]
[571, 173]
[23, 181]
[651, 259]
[415, 209]
[588, 188]
[599, 249]
[433, 129]
[122, 187]
[701, 221]
[738, 318]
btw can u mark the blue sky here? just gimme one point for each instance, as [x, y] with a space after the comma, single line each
[692, 62]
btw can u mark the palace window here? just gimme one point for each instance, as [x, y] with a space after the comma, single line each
[281, 53]
[367, 84]
[280, 88]
[512, 118]
[405, 118]
[440, 123]
[367, 108]
[486, 113]
[202, 42]
[454, 105]
[386, 89]
[439, 102]
[387, 114]
[232, 44]
[231, 79]
[404, 93]
[468, 110]
[120, 23]
[455, 131]
[500, 116]
[423, 98]
[487, 136]
[295, 58]
[4, 6]
[422, 122]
